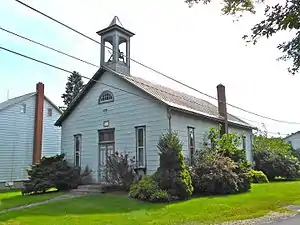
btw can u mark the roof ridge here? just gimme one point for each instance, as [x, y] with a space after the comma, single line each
[14, 98]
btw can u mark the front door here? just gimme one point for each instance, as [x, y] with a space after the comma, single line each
[106, 148]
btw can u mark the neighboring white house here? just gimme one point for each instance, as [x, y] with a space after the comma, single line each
[294, 139]
[27, 133]
[119, 112]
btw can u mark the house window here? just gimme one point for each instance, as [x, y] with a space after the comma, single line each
[244, 142]
[77, 149]
[106, 96]
[23, 108]
[141, 146]
[191, 141]
[49, 112]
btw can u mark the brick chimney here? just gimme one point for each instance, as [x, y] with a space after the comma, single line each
[38, 123]
[222, 109]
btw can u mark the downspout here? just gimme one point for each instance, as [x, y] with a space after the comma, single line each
[169, 115]
[252, 153]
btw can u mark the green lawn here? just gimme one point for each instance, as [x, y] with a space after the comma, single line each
[13, 198]
[113, 209]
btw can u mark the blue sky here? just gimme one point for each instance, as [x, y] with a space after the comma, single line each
[198, 46]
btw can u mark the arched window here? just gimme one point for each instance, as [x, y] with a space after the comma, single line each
[106, 96]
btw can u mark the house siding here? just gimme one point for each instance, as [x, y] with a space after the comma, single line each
[181, 121]
[124, 114]
[51, 134]
[16, 144]
[294, 140]
[16, 138]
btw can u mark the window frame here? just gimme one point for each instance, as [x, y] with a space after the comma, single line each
[23, 108]
[108, 100]
[49, 112]
[105, 131]
[79, 151]
[191, 153]
[244, 145]
[137, 147]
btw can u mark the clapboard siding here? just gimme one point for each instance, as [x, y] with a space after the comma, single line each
[16, 133]
[16, 138]
[51, 134]
[294, 139]
[124, 114]
[180, 123]
[248, 138]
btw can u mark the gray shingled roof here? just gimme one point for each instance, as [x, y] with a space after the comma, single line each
[172, 98]
[16, 100]
[180, 100]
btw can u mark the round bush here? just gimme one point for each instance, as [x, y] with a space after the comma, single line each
[276, 164]
[148, 190]
[257, 176]
[219, 175]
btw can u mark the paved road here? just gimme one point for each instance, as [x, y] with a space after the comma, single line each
[293, 221]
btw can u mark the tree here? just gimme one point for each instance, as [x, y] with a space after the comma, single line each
[226, 145]
[274, 156]
[172, 174]
[278, 17]
[73, 87]
[273, 144]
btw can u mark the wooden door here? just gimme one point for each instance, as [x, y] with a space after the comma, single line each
[106, 148]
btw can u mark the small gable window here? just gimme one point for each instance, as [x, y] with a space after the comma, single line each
[23, 108]
[106, 96]
[49, 112]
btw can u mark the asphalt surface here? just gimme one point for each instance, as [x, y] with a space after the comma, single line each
[293, 221]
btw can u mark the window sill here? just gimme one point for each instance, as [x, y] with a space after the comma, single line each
[137, 168]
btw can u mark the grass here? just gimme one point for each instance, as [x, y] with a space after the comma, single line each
[14, 198]
[118, 209]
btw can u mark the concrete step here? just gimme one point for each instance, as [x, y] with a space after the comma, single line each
[91, 188]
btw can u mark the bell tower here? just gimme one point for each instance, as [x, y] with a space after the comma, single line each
[113, 38]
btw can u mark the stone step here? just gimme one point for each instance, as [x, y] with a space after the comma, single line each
[75, 191]
[91, 188]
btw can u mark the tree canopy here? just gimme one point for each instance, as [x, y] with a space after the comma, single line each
[73, 86]
[278, 17]
[271, 144]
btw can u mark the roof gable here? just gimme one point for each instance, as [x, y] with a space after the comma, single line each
[22, 98]
[291, 135]
[16, 100]
[168, 96]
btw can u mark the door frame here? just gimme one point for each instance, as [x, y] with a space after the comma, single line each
[113, 142]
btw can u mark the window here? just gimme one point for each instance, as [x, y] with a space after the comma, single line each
[244, 142]
[106, 96]
[191, 141]
[49, 112]
[23, 108]
[106, 135]
[77, 149]
[140, 146]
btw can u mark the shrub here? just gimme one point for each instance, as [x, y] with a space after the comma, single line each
[52, 172]
[257, 176]
[172, 174]
[120, 170]
[148, 189]
[226, 145]
[219, 175]
[277, 164]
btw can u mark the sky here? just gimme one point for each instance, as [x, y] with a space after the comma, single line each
[197, 46]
